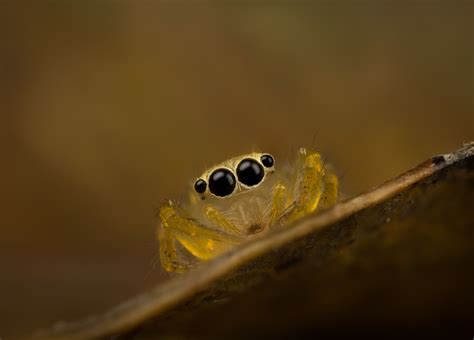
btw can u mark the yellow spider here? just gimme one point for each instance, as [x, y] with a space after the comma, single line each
[239, 198]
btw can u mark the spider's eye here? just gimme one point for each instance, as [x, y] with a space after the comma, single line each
[200, 186]
[267, 161]
[222, 182]
[250, 172]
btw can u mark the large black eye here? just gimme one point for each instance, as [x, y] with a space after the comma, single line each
[250, 172]
[221, 182]
[200, 186]
[267, 161]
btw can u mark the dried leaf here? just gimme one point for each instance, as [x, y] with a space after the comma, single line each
[398, 258]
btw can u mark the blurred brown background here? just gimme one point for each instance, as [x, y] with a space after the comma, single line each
[109, 106]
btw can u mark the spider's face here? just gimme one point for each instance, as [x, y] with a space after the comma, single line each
[235, 175]
[239, 198]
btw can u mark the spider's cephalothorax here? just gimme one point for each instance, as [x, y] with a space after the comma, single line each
[238, 198]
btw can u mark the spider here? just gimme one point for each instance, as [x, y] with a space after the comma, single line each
[239, 198]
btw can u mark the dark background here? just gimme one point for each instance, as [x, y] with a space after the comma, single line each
[109, 106]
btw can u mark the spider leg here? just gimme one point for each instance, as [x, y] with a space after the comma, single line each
[201, 241]
[310, 184]
[214, 215]
[278, 204]
[331, 184]
[168, 253]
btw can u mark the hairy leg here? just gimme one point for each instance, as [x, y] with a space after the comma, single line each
[279, 203]
[168, 253]
[309, 185]
[201, 241]
[331, 184]
[215, 216]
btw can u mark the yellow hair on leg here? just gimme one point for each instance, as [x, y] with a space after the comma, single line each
[278, 202]
[214, 215]
[310, 184]
[168, 253]
[331, 185]
[201, 241]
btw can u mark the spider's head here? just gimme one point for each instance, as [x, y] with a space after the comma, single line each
[235, 175]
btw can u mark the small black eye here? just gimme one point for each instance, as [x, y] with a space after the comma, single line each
[267, 160]
[250, 172]
[200, 186]
[222, 182]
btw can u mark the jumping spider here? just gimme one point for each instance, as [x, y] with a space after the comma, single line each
[238, 198]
